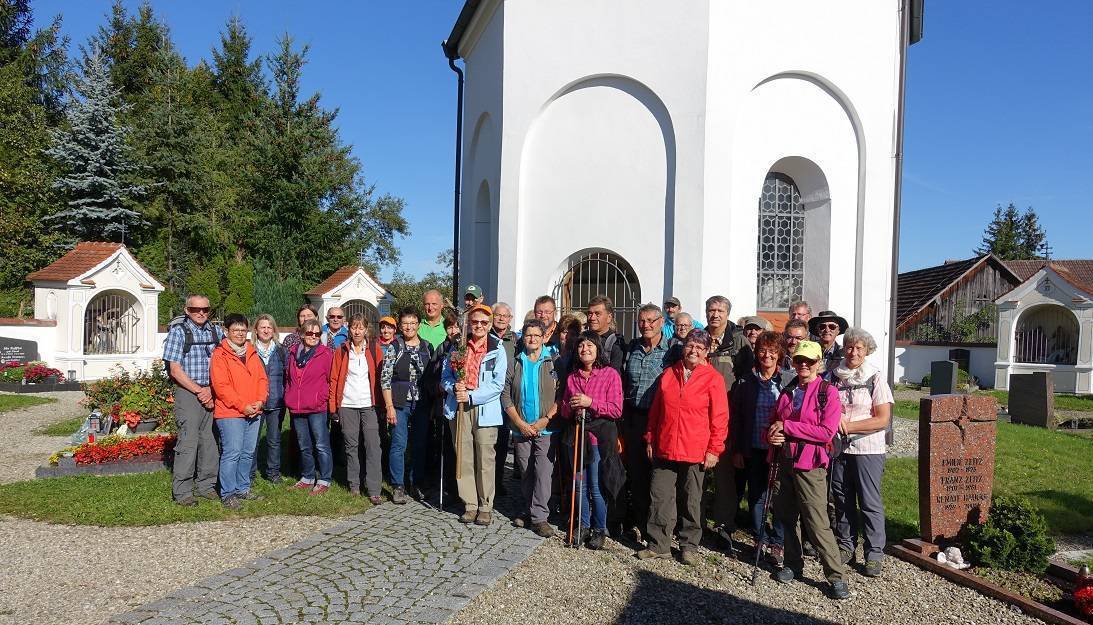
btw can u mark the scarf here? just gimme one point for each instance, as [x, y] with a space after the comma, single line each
[855, 377]
[304, 354]
[240, 350]
[265, 350]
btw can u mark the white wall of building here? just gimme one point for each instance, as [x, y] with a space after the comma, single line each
[913, 362]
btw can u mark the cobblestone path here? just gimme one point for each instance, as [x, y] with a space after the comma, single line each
[392, 564]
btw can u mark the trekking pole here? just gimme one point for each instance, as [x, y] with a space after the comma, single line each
[580, 483]
[443, 444]
[573, 488]
[772, 475]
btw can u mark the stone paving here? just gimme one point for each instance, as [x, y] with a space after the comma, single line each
[391, 564]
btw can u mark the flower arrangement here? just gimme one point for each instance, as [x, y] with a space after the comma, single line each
[1083, 595]
[458, 361]
[117, 448]
[133, 397]
[32, 372]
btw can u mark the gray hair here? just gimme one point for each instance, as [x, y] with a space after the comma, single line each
[195, 296]
[650, 308]
[798, 304]
[683, 315]
[501, 305]
[719, 299]
[857, 335]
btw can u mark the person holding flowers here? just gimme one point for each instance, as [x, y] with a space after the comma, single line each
[474, 376]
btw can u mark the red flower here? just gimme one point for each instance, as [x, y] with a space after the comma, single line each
[113, 450]
[1083, 600]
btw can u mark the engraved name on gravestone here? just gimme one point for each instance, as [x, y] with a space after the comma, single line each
[957, 436]
[1032, 399]
[942, 377]
[17, 350]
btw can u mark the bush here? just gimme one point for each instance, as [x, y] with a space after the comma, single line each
[1014, 538]
[963, 378]
[33, 372]
[144, 394]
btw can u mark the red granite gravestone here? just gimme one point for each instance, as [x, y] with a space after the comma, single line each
[956, 435]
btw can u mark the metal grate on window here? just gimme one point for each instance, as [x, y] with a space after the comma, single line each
[780, 256]
[601, 273]
[361, 307]
[111, 325]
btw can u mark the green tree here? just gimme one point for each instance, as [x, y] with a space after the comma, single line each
[1014, 236]
[207, 280]
[130, 47]
[240, 297]
[408, 291]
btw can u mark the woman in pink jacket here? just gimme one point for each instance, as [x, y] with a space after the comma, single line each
[807, 418]
[307, 391]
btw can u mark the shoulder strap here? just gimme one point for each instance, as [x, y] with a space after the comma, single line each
[821, 398]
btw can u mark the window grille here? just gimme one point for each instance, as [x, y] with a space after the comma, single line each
[111, 325]
[361, 307]
[601, 273]
[780, 256]
[1047, 335]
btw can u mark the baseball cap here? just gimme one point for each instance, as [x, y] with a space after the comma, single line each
[480, 307]
[474, 290]
[389, 321]
[673, 301]
[756, 321]
[810, 350]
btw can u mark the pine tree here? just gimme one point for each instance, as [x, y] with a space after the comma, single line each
[1002, 237]
[1031, 237]
[93, 156]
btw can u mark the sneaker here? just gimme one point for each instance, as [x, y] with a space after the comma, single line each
[840, 590]
[251, 496]
[543, 529]
[521, 521]
[276, 479]
[808, 551]
[484, 518]
[398, 496]
[784, 575]
[873, 568]
[845, 556]
[776, 555]
[319, 489]
[649, 554]
[595, 542]
[375, 500]
[302, 485]
[231, 502]
[186, 502]
[211, 496]
[469, 516]
[689, 557]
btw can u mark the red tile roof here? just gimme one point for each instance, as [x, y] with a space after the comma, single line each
[1078, 272]
[334, 280]
[85, 256]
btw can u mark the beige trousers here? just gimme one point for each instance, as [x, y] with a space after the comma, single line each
[476, 484]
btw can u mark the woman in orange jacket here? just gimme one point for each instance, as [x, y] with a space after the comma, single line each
[240, 388]
[354, 391]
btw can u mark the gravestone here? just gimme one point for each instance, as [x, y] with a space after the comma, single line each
[1032, 399]
[955, 463]
[942, 377]
[17, 350]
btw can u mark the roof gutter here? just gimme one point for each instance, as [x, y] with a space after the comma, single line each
[451, 44]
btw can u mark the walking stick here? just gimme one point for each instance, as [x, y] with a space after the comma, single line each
[458, 442]
[443, 437]
[573, 487]
[772, 475]
[580, 483]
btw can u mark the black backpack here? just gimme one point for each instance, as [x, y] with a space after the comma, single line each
[189, 341]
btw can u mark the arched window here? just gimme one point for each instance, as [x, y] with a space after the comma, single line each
[361, 307]
[601, 273]
[781, 249]
[1047, 334]
[111, 323]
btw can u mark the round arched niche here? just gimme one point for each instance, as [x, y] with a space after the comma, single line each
[113, 323]
[1046, 334]
[597, 271]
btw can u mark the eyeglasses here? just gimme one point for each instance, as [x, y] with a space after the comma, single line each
[827, 326]
[198, 310]
[313, 334]
[237, 330]
[765, 353]
[683, 326]
[537, 337]
[335, 316]
[790, 337]
[480, 323]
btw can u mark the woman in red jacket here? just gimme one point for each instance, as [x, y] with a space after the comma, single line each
[354, 390]
[688, 422]
[240, 388]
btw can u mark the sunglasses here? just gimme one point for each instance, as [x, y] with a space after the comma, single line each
[313, 334]
[798, 361]
[204, 310]
[335, 316]
[480, 323]
[827, 326]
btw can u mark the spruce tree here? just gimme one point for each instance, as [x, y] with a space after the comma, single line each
[1002, 234]
[93, 157]
[1031, 237]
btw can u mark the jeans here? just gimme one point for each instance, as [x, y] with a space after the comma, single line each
[758, 470]
[313, 433]
[412, 422]
[591, 477]
[238, 438]
[273, 419]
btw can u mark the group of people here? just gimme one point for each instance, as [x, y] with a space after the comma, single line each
[618, 436]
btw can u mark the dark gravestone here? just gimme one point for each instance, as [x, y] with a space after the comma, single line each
[1032, 399]
[17, 350]
[956, 439]
[942, 377]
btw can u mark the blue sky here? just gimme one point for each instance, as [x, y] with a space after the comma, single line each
[999, 107]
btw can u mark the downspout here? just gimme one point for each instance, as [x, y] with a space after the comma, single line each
[897, 158]
[452, 56]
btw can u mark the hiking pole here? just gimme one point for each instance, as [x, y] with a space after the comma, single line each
[772, 475]
[573, 488]
[443, 444]
[580, 484]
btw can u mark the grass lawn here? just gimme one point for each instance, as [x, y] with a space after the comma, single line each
[61, 428]
[1050, 468]
[1083, 403]
[145, 499]
[15, 402]
[906, 408]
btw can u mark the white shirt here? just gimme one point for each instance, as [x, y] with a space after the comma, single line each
[358, 388]
[858, 405]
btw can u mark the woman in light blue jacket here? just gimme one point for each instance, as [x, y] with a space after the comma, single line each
[475, 432]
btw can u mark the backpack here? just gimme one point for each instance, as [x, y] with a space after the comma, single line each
[188, 336]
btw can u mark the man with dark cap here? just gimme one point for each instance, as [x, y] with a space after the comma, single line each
[827, 326]
[672, 307]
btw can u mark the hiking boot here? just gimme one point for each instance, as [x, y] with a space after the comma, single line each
[689, 557]
[776, 555]
[375, 500]
[807, 550]
[398, 496]
[484, 518]
[785, 575]
[840, 590]
[186, 502]
[724, 536]
[276, 479]
[319, 489]
[521, 521]
[649, 554]
[845, 556]
[595, 542]
[251, 496]
[543, 529]
[873, 568]
[211, 496]
[469, 516]
[231, 502]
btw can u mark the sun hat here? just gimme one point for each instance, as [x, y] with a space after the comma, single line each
[826, 315]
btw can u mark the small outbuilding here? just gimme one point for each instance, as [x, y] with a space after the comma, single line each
[355, 291]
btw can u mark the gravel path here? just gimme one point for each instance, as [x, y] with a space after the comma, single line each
[558, 585]
[21, 451]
